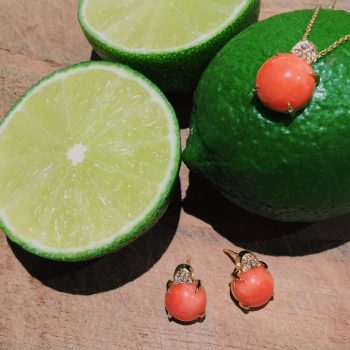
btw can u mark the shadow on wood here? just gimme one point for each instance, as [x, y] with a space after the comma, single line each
[187, 323]
[111, 271]
[258, 234]
[94, 56]
[182, 103]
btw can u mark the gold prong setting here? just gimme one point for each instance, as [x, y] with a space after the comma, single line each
[290, 109]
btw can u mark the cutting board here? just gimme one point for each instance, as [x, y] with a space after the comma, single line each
[116, 302]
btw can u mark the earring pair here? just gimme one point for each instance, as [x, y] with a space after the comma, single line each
[252, 286]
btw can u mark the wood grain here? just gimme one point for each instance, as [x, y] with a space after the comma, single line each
[116, 302]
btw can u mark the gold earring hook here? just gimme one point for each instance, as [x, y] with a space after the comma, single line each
[231, 254]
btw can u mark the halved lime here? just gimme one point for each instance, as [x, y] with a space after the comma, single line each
[171, 41]
[88, 160]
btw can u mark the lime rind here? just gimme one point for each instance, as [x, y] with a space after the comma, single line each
[151, 214]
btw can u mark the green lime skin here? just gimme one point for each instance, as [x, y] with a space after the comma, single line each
[175, 71]
[288, 168]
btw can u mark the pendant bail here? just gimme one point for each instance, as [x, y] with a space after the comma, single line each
[306, 50]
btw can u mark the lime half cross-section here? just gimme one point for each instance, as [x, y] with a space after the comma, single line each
[88, 159]
[171, 41]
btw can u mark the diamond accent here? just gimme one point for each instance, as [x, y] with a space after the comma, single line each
[183, 275]
[249, 261]
[306, 50]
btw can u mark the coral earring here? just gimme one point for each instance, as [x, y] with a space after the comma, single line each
[285, 83]
[252, 284]
[185, 302]
[185, 299]
[254, 288]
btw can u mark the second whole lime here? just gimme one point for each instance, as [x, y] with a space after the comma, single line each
[289, 168]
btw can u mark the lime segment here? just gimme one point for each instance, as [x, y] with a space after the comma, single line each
[88, 159]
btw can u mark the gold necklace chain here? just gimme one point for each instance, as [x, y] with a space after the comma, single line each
[310, 26]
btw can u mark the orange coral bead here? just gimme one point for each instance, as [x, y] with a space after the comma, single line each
[285, 83]
[254, 288]
[184, 303]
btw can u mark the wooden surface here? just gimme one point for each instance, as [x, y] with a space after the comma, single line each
[116, 302]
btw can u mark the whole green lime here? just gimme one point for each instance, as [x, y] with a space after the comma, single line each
[171, 41]
[289, 168]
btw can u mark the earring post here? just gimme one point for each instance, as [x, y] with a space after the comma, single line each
[231, 254]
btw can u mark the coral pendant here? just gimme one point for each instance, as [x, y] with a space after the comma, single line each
[285, 83]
